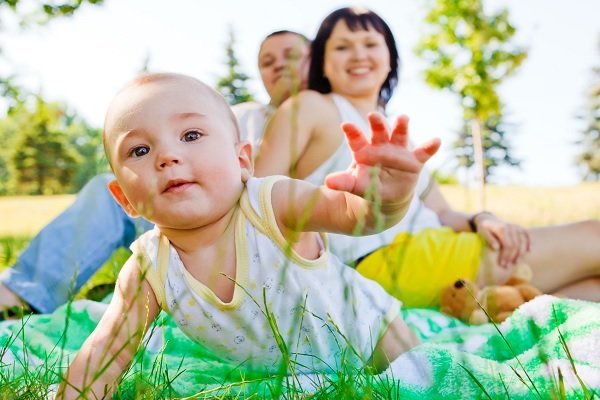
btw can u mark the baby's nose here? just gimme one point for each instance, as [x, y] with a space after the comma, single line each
[169, 163]
[167, 158]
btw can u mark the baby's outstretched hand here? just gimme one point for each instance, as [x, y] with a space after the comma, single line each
[398, 167]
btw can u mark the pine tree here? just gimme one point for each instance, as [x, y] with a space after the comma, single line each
[497, 150]
[233, 84]
[43, 162]
[589, 158]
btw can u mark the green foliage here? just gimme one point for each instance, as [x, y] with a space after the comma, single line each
[40, 12]
[33, 143]
[10, 247]
[443, 178]
[470, 54]
[497, 149]
[43, 163]
[233, 84]
[87, 142]
[8, 134]
[589, 158]
[48, 149]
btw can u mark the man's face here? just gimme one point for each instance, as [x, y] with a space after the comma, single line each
[283, 65]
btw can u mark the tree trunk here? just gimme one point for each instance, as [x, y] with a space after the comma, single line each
[479, 159]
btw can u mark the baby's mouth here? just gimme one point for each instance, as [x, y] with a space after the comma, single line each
[177, 185]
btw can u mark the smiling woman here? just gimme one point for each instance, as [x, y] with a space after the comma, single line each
[353, 59]
[353, 71]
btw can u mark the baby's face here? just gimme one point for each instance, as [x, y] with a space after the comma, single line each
[175, 153]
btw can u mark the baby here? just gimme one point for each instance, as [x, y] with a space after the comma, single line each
[241, 263]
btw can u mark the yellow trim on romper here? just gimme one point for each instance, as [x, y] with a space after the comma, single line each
[241, 269]
[268, 225]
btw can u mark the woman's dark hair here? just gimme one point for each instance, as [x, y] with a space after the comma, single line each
[355, 18]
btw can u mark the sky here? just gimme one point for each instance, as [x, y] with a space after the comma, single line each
[85, 59]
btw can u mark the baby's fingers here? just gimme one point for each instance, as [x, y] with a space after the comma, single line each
[400, 131]
[356, 140]
[425, 151]
[379, 129]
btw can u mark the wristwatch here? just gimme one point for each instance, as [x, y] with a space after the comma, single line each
[471, 220]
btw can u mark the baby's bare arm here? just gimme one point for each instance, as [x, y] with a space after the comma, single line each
[397, 339]
[106, 354]
[375, 190]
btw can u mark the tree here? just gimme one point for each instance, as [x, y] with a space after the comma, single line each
[86, 141]
[469, 54]
[33, 132]
[233, 85]
[42, 160]
[8, 136]
[15, 125]
[496, 148]
[589, 158]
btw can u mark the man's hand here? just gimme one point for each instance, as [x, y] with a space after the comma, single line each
[398, 167]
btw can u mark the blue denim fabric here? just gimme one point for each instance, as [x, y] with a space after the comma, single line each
[71, 248]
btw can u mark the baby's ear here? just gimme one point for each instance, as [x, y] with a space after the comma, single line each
[244, 150]
[117, 192]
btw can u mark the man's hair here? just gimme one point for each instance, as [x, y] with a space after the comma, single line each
[285, 31]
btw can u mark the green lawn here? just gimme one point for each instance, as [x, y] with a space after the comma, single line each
[25, 215]
[22, 217]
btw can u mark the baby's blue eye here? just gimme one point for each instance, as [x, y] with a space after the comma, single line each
[191, 136]
[139, 151]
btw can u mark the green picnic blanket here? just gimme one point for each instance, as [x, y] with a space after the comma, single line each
[549, 348]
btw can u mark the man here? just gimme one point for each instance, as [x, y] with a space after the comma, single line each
[283, 66]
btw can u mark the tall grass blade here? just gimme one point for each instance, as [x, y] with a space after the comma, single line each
[474, 378]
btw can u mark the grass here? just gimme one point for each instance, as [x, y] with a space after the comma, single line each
[531, 206]
[22, 217]
[26, 215]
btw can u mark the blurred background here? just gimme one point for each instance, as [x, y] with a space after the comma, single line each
[523, 73]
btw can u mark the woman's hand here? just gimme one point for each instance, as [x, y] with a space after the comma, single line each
[511, 241]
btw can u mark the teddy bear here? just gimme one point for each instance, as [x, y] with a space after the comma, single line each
[463, 298]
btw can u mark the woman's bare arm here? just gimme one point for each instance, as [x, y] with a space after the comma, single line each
[296, 124]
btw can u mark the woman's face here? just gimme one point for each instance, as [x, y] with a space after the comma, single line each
[356, 63]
